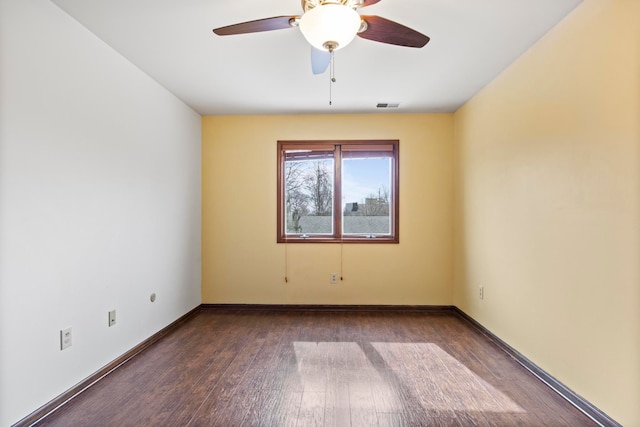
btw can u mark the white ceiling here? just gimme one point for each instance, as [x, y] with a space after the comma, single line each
[270, 72]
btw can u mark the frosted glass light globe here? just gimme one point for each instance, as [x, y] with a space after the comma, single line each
[330, 25]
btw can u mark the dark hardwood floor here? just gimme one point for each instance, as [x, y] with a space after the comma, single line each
[230, 367]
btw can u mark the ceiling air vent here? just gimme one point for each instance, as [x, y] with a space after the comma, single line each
[387, 105]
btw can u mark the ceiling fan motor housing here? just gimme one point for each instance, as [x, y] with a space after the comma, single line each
[307, 5]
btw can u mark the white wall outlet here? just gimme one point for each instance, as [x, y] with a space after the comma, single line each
[481, 292]
[333, 278]
[112, 318]
[65, 338]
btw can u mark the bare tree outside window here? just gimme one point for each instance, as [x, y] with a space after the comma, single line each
[319, 184]
[309, 196]
[295, 199]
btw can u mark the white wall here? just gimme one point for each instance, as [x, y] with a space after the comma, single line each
[99, 204]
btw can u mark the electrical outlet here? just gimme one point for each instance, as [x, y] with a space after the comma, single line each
[112, 318]
[333, 278]
[481, 292]
[65, 338]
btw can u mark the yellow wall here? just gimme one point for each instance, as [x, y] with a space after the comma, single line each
[547, 205]
[242, 262]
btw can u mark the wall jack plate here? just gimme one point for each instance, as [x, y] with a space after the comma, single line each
[65, 338]
[112, 318]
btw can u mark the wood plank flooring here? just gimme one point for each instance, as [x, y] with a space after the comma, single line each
[231, 367]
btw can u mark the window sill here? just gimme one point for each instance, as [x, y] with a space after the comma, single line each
[365, 240]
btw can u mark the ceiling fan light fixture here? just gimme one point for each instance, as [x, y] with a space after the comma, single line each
[330, 26]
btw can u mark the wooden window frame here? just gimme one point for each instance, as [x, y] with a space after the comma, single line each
[354, 145]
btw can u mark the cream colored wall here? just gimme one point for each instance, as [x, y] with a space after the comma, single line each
[242, 262]
[547, 217]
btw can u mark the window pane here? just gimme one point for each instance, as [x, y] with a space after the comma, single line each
[366, 195]
[308, 192]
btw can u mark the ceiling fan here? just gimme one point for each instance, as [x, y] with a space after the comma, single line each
[329, 25]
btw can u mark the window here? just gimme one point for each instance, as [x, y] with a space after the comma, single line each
[338, 191]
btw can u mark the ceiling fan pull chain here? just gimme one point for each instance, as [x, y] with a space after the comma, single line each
[330, 91]
[332, 78]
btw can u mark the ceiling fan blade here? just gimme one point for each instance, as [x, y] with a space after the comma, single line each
[384, 31]
[266, 24]
[320, 60]
[368, 2]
